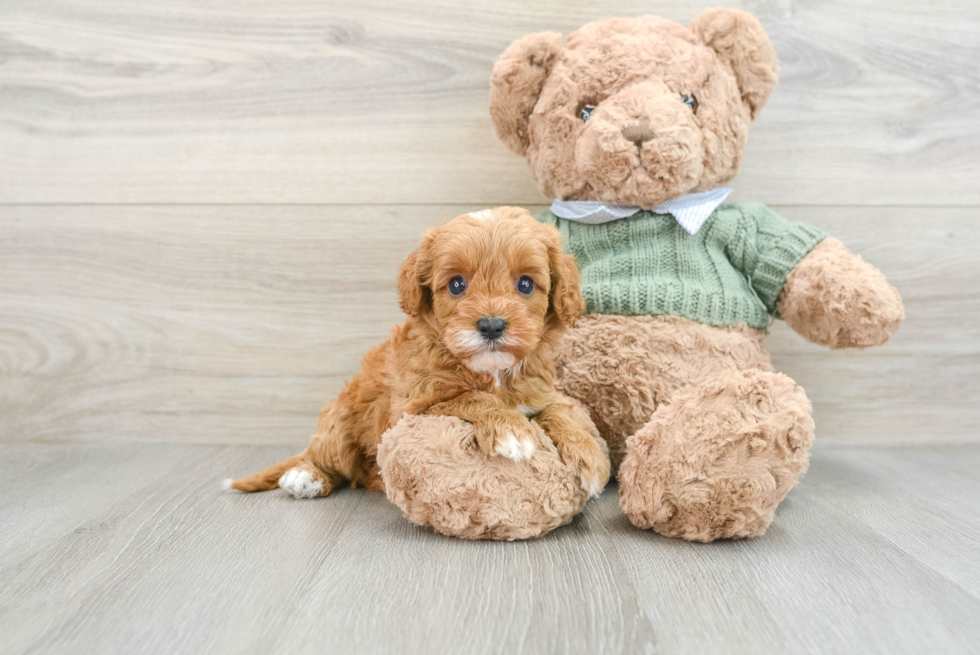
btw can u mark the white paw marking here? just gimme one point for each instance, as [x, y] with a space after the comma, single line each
[511, 448]
[226, 483]
[484, 215]
[300, 484]
[592, 486]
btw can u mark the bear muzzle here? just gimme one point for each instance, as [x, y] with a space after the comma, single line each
[641, 146]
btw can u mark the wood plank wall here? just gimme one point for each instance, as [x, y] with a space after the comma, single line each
[203, 204]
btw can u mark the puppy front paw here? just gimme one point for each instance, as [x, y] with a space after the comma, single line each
[509, 437]
[513, 448]
[300, 484]
[587, 459]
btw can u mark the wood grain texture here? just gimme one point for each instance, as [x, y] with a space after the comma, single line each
[870, 553]
[383, 101]
[222, 193]
[235, 324]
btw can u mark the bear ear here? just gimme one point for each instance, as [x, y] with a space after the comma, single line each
[517, 80]
[739, 39]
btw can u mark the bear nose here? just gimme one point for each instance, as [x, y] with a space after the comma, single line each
[638, 132]
[492, 328]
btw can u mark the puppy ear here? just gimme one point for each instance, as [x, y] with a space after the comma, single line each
[414, 295]
[517, 80]
[565, 300]
[739, 40]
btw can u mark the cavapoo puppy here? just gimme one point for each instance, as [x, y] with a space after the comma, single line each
[487, 295]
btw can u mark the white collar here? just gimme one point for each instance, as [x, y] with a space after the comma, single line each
[691, 211]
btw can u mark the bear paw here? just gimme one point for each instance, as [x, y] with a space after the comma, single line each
[437, 474]
[716, 461]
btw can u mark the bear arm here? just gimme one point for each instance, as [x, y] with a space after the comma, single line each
[836, 299]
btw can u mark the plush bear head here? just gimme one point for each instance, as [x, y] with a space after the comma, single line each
[634, 110]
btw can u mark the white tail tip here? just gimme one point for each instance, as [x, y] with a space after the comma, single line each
[226, 483]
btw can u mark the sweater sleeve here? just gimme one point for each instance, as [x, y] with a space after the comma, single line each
[765, 247]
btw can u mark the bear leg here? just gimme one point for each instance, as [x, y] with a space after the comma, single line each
[435, 472]
[716, 461]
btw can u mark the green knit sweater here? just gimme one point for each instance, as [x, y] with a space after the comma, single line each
[730, 272]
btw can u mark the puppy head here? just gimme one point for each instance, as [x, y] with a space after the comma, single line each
[493, 284]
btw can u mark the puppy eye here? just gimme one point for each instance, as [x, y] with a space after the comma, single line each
[585, 113]
[691, 102]
[525, 285]
[457, 286]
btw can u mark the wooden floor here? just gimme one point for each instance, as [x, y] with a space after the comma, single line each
[135, 548]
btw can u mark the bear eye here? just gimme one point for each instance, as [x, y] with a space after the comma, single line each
[586, 112]
[525, 285]
[691, 102]
[457, 286]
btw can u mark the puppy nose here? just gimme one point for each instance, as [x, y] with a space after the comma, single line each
[638, 133]
[491, 328]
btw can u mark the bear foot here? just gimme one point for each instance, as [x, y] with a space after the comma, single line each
[436, 473]
[716, 461]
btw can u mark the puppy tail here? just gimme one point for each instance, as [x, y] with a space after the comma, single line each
[266, 478]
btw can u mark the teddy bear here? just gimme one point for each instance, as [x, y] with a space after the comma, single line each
[634, 126]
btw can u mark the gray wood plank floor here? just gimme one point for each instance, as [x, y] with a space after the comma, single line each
[132, 548]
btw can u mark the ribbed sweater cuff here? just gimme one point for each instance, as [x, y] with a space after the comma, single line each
[777, 262]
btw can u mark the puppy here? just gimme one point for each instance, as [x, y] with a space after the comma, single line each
[487, 295]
